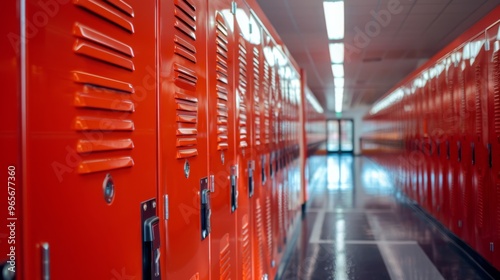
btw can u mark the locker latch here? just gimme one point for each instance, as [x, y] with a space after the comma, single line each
[490, 156]
[263, 169]
[205, 207]
[447, 149]
[459, 145]
[150, 240]
[473, 153]
[271, 159]
[234, 188]
[251, 168]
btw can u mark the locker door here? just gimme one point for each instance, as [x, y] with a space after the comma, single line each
[10, 129]
[261, 214]
[90, 139]
[476, 101]
[222, 161]
[244, 154]
[493, 109]
[183, 155]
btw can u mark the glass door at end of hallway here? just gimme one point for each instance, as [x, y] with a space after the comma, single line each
[340, 136]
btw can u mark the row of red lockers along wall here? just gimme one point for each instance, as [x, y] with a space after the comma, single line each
[121, 102]
[449, 117]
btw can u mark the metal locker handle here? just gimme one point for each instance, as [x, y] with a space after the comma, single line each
[151, 250]
[251, 167]
[490, 155]
[234, 188]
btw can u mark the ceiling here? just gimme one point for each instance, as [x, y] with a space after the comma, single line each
[416, 30]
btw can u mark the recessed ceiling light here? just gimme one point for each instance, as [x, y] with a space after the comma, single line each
[334, 16]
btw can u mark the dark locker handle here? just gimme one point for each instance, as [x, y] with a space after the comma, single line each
[263, 170]
[490, 155]
[250, 182]
[206, 212]
[152, 245]
[459, 151]
[234, 193]
[438, 144]
[473, 153]
[447, 149]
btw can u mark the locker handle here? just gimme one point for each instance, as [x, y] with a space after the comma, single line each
[234, 188]
[205, 208]
[448, 150]
[251, 167]
[438, 144]
[459, 146]
[473, 153]
[490, 155]
[150, 240]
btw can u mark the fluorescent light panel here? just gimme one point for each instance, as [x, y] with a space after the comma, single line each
[337, 52]
[339, 82]
[339, 99]
[334, 16]
[338, 70]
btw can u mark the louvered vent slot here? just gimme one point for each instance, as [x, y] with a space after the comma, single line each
[256, 95]
[242, 92]
[104, 120]
[185, 79]
[496, 94]
[185, 18]
[267, 108]
[269, 232]
[463, 103]
[187, 119]
[478, 96]
[260, 238]
[246, 249]
[480, 200]
[225, 259]
[222, 83]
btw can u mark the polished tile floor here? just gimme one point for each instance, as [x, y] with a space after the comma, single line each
[358, 226]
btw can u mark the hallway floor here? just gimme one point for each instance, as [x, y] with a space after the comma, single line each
[358, 226]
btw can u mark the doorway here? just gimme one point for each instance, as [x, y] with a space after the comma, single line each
[340, 136]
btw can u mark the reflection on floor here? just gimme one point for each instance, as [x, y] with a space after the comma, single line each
[357, 226]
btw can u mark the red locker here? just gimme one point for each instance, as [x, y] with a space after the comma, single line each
[493, 109]
[10, 137]
[221, 128]
[183, 139]
[246, 163]
[89, 138]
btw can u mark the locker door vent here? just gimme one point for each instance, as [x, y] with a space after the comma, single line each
[256, 95]
[105, 104]
[267, 108]
[225, 258]
[478, 96]
[496, 96]
[222, 82]
[246, 249]
[269, 232]
[242, 93]
[186, 79]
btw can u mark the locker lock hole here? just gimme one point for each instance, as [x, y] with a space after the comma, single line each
[187, 169]
[108, 187]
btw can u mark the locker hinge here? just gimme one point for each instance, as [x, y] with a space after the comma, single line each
[165, 207]
[234, 187]
[251, 168]
[211, 183]
[234, 7]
